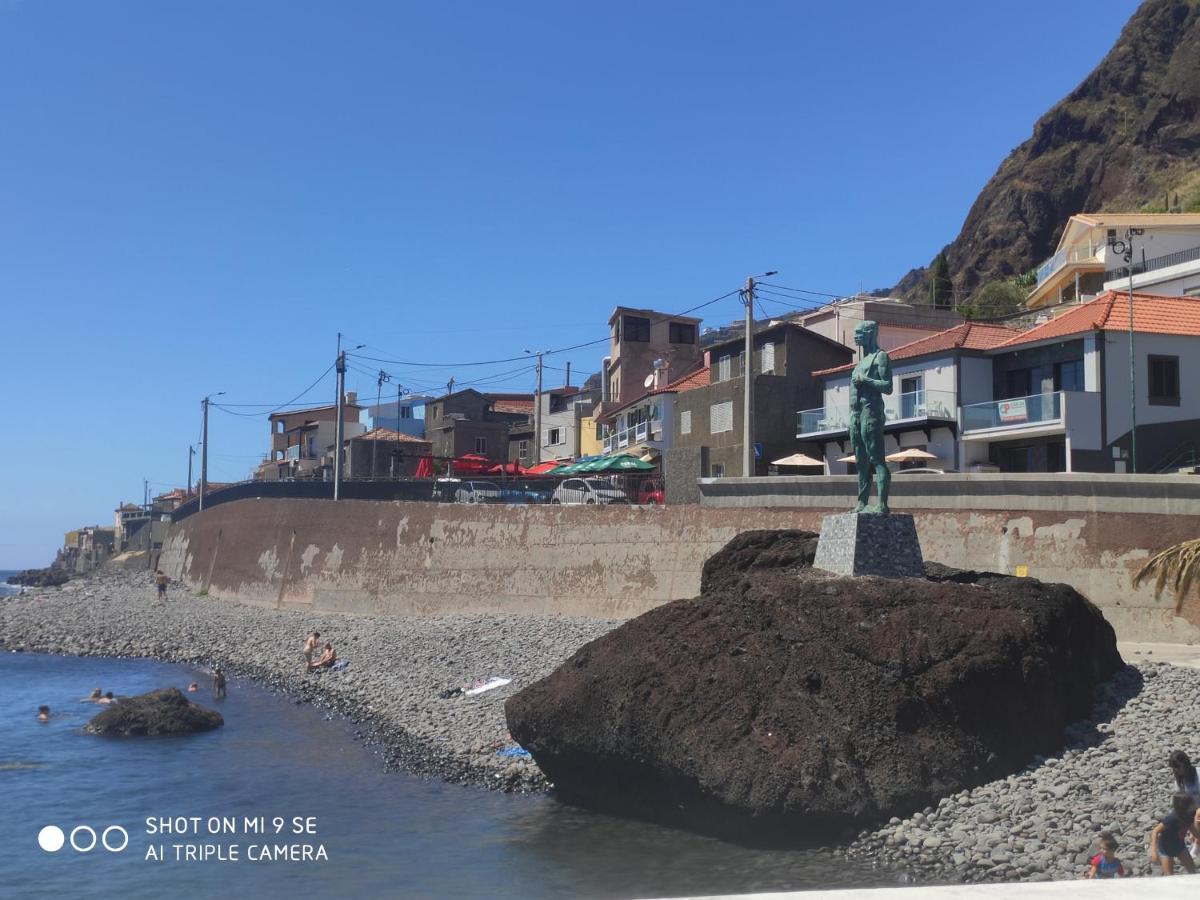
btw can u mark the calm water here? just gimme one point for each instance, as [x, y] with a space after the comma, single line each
[384, 834]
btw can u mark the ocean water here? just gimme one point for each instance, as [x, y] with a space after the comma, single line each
[383, 834]
[7, 589]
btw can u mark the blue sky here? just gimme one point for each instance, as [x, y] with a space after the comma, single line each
[197, 196]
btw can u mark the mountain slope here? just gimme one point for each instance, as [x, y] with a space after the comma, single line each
[1128, 138]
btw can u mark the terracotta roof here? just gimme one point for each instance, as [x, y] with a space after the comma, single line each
[309, 409]
[386, 434]
[967, 336]
[1152, 314]
[513, 406]
[694, 379]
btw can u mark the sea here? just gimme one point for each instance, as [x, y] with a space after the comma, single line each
[285, 800]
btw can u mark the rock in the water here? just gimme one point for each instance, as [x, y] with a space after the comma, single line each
[788, 705]
[50, 577]
[164, 711]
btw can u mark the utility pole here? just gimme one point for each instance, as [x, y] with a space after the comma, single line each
[568, 384]
[748, 374]
[341, 420]
[537, 407]
[204, 449]
[145, 494]
[383, 376]
[191, 453]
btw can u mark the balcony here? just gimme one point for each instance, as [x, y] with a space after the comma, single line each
[1014, 414]
[914, 406]
[1153, 265]
[619, 440]
[1064, 257]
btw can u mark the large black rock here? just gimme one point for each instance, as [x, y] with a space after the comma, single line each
[787, 706]
[164, 711]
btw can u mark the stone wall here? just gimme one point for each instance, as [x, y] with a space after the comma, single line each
[414, 559]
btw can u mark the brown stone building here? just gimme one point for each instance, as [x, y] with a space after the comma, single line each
[468, 421]
[709, 418]
[639, 338]
[383, 453]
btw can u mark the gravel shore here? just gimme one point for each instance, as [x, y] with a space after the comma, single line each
[1041, 824]
[1036, 825]
[396, 667]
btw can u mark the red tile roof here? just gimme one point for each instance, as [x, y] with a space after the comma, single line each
[386, 434]
[967, 336]
[1152, 314]
[513, 406]
[695, 379]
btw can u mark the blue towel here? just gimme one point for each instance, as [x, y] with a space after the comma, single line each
[338, 666]
[514, 751]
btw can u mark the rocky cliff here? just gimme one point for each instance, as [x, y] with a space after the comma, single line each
[1128, 138]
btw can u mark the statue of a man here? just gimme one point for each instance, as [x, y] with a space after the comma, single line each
[870, 380]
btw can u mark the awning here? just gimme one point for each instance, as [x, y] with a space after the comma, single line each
[649, 456]
[797, 459]
[910, 453]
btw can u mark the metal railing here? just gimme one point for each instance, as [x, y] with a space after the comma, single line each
[619, 440]
[598, 488]
[1080, 254]
[1150, 265]
[1014, 412]
[896, 407]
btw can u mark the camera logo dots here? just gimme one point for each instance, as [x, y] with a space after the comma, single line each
[84, 839]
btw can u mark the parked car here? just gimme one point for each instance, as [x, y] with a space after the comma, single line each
[445, 490]
[478, 492]
[587, 490]
[652, 492]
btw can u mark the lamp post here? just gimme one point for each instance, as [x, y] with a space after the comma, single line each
[748, 374]
[1125, 249]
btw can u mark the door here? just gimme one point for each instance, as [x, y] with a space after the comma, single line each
[912, 397]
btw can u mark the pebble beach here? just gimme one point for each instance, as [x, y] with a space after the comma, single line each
[391, 687]
[1039, 824]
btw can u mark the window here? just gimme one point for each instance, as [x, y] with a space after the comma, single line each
[1017, 383]
[481, 445]
[1068, 376]
[720, 417]
[554, 436]
[912, 399]
[682, 333]
[636, 328]
[716, 470]
[522, 449]
[768, 357]
[600, 429]
[1164, 380]
[1056, 456]
[724, 364]
[614, 387]
[406, 412]
[685, 422]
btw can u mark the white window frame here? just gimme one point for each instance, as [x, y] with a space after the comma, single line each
[685, 422]
[481, 445]
[554, 436]
[768, 357]
[720, 417]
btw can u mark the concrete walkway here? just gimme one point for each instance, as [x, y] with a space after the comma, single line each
[1179, 654]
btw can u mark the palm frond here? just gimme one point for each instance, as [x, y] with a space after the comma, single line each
[1178, 566]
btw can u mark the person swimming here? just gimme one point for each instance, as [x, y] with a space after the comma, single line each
[193, 688]
[43, 714]
[93, 697]
[107, 698]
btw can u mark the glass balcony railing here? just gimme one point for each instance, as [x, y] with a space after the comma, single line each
[1035, 409]
[1062, 257]
[896, 407]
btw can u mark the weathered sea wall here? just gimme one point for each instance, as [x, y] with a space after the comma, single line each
[420, 559]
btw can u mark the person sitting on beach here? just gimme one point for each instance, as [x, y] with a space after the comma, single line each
[1105, 863]
[328, 658]
[310, 647]
[193, 688]
[218, 683]
[1187, 779]
[161, 580]
[1167, 839]
[43, 714]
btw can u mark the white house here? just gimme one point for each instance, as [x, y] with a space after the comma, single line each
[1089, 258]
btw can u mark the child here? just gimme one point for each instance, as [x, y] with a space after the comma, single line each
[161, 581]
[1105, 863]
[1166, 840]
[1187, 779]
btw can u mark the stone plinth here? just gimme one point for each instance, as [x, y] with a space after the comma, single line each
[864, 544]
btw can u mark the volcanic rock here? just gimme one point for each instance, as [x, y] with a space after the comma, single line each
[788, 706]
[50, 577]
[164, 711]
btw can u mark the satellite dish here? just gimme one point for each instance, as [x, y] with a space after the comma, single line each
[649, 382]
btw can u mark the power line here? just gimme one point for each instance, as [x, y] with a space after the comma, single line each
[225, 407]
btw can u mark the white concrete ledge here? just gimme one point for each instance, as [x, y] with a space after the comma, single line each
[1159, 888]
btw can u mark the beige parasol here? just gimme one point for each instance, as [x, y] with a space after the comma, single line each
[797, 459]
[910, 453]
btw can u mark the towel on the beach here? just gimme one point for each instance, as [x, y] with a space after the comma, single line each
[488, 685]
[514, 751]
[339, 665]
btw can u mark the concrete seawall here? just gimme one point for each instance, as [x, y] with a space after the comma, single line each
[415, 559]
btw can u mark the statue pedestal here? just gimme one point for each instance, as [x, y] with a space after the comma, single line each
[863, 544]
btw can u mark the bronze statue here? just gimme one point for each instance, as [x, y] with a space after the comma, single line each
[870, 380]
